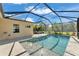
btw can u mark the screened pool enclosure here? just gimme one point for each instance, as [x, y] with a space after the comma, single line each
[58, 21]
[53, 18]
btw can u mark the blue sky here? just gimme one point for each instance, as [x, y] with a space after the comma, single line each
[41, 9]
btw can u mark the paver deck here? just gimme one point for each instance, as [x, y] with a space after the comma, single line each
[72, 48]
[5, 49]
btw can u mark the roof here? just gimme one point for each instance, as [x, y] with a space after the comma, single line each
[17, 19]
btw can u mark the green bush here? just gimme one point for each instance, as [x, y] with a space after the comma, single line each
[60, 33]
[56, 33]
[67, 33]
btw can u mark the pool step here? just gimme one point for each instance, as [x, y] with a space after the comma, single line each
[36, 50]
[25, 53]
[31, 48]
[44, 52]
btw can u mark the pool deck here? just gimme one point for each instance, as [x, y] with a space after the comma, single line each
[38, 35]
[31, 49]
[73, 47]
[6, 48]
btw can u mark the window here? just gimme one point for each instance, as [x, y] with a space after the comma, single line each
[15, 28]
[28, 26]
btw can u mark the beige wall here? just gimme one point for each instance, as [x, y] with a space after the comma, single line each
[6, 25]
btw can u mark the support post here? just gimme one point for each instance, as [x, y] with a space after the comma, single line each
[78, 28]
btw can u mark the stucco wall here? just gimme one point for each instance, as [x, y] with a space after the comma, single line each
[6, 29]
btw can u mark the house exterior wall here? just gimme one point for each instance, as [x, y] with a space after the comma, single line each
[6, 29]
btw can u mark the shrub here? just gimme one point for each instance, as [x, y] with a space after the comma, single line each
[67, 33]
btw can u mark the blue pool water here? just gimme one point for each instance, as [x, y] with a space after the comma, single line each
[56, 44]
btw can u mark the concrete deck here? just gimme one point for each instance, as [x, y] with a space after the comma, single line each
[6, 48]
[38, 35]
[73, 47]
[6, 41]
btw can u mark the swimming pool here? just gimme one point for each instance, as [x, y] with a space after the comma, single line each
[55, 43]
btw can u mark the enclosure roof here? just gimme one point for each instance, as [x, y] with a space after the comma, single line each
[48, 13]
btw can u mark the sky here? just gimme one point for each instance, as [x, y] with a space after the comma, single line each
[41, 9]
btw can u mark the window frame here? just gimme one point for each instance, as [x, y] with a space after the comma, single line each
[16, 28]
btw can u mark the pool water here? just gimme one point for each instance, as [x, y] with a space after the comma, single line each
[56, 44]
